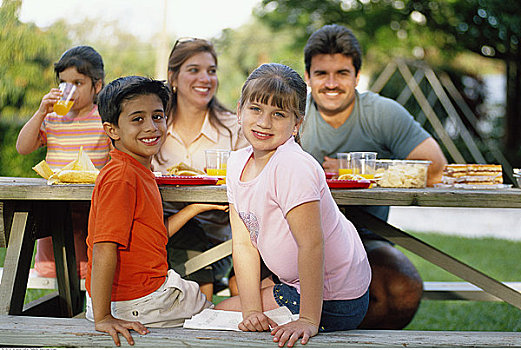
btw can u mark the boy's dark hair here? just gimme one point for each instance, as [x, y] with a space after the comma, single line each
[332, 39]
[112, 97]
[86, 60]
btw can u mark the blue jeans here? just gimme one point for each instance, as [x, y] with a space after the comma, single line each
[337, 315]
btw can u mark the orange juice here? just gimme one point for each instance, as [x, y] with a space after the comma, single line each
[367, 176]
[62, 107]
[216, 172]
[221, 173]
[344, 171]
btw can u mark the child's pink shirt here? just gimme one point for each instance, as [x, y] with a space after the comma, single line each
[290, 178]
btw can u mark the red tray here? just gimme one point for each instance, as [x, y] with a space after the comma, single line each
[335, 183]
[330, 175]
[186, 180]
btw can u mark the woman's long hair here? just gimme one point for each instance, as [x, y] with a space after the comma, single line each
[181, 52]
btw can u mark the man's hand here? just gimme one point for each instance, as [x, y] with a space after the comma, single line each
[291, 332]
[330, 165]
[113, 326]
[257, 322]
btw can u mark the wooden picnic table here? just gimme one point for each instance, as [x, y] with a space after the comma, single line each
[32, 209]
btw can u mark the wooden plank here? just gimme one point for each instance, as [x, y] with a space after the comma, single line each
[71, 300]
[17, 263]
[37, 282]
[460, 291]
[3, 236]
[59, 332]
[427, 197]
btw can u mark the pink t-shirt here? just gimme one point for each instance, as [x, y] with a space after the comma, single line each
[292, 177]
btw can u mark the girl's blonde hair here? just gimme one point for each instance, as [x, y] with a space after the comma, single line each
[278, 85]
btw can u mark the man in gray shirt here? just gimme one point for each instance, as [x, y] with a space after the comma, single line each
[340, 119]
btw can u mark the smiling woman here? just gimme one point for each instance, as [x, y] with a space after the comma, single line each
[197, 122]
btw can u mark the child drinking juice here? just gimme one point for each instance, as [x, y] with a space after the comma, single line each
[64, 135]
[281, 210]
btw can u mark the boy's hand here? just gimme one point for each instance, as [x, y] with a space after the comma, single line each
[113, 326]
[49, 100]
[291, 332]
[257, 322]
[330, 164]
[202, 207]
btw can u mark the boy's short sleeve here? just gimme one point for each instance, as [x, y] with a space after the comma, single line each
[297, 180]
[115, 209]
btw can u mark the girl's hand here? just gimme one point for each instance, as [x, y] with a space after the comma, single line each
[113, 326]
[257, 322]
[49, 100]
[291, 332]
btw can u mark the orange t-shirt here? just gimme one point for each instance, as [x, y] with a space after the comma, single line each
[126, 209]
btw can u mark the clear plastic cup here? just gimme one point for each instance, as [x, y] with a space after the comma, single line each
[344, 163]
[216, 160]
[363, 163]
[64, 105]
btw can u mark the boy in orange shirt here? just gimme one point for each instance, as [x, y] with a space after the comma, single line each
[128, 281]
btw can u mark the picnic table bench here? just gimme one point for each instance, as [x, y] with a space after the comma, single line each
[60, 332]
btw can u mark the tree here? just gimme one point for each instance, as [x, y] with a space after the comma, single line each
[244, 49]
[26, 56]
[435, 30]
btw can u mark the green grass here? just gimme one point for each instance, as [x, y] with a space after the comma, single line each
[496, 257]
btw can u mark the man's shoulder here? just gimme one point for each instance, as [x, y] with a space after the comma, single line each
[373, 99]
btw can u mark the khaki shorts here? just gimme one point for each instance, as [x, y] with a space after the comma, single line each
[172, 303]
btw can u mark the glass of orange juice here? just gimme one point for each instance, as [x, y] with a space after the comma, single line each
[363, 163]
[344, 163]
[64, 105]
[216, 160]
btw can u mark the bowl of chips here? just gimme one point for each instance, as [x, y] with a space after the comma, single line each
[394, 173]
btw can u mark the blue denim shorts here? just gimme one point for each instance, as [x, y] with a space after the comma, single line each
[337, 315]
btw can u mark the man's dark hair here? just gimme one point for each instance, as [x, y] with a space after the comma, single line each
[332, 39]
[111, 98]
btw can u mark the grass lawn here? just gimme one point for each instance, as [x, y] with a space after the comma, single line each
[496, 257]
[499, 258]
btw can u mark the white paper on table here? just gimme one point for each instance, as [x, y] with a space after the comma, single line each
[229, 320]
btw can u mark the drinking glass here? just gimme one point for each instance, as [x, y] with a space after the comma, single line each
[64, 105]
[363, 163]
[344, 166]
[216, 160]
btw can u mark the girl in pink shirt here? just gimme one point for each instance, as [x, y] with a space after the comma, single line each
[281, 210]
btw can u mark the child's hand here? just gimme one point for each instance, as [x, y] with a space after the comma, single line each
[113, 326]
[257, 322]
[291, 332]
[330, 164]
[49, 100]
[202, 207]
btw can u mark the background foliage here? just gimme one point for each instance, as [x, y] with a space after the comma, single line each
[463, 37]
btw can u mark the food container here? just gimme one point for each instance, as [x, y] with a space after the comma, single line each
[401, 173]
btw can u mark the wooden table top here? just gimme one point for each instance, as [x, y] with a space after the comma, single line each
[12, 188]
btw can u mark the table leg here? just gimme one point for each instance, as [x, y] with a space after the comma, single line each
[17, 264]
[56, 218]
[435, 256]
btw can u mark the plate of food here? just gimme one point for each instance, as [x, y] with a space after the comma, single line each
[181, 180]
[336, 183]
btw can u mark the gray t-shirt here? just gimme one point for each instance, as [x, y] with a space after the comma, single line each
[376, 124]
